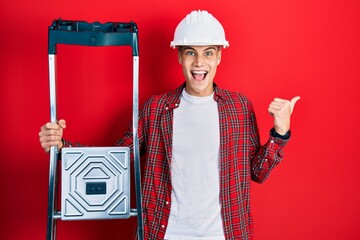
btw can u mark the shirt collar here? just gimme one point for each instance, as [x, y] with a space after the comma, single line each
[174, 97]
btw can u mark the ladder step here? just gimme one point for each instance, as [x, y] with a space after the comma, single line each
[133, 213]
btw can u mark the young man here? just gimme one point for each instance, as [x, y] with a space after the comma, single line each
[201, 143]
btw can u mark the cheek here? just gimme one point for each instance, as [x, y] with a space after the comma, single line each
[185, 71]
[185, 64]
[214, 63]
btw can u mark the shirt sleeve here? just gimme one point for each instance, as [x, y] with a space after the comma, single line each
[127, 139]
[264, 158]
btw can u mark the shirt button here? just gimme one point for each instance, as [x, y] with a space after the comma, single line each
[166, 108]
[265, 160]
[176, 104]
[163, 226]
[167, 203]
[272, 141]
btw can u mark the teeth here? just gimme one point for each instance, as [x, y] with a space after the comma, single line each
[199, 74]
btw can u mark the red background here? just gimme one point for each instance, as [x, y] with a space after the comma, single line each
[278, 48]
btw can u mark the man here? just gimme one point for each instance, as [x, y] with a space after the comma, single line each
[201, 144]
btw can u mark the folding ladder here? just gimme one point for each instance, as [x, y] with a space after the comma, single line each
[108, 163]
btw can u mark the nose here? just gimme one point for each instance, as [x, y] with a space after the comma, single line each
[199, 60]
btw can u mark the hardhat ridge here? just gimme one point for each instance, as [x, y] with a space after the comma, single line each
[199, 28]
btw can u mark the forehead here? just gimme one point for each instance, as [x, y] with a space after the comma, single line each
[199, 48]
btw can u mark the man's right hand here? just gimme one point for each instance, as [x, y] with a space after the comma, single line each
[51, 135]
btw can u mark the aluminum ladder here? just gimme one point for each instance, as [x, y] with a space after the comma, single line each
[92, 34]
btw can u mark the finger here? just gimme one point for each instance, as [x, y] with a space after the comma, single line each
[50, 125]
[50, 138]
[280, 100]
[62, 123]
[48, 141]
[50, 144]
[271, 111]
[46, 146]
[50, 132]
[276, 105]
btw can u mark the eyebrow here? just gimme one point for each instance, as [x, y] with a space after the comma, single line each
[186, 48]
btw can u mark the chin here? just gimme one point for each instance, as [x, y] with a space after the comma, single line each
[200, 88]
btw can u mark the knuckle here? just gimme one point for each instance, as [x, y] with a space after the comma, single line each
[53, 138]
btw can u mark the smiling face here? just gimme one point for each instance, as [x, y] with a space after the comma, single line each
[199, 65]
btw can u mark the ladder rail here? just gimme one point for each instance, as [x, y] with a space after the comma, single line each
[137, 167]
[52, 197]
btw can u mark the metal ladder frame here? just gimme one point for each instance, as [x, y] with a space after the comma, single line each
[92, 34]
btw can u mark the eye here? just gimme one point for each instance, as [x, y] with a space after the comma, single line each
[208, 53]
[190, 53]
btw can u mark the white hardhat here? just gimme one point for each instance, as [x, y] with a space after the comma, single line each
[199, 28]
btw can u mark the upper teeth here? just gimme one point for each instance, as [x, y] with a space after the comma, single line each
[199, 72]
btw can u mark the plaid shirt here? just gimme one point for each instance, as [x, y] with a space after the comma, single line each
[242, 159]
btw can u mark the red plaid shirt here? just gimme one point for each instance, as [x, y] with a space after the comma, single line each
[242, 159]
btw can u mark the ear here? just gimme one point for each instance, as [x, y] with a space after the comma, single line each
[219, 56]
[179, 56]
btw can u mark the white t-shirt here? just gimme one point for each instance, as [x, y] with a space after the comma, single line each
[195, 207]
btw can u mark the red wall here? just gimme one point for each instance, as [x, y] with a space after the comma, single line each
[278, 48]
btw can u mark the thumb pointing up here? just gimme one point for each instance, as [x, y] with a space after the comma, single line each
[293, 102]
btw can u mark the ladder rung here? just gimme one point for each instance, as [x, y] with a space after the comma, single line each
[57, 215]
[133, 212]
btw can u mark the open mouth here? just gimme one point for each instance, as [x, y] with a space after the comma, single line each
[199, 74]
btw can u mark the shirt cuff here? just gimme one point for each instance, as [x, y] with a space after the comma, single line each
[286, 136]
